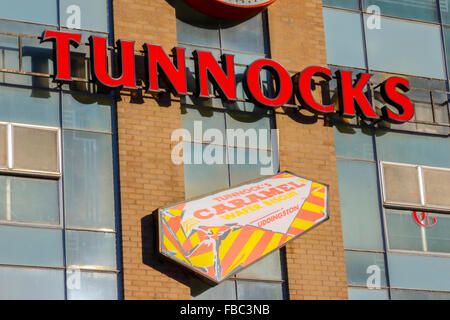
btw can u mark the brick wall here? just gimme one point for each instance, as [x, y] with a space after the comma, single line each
[149, 180]
[315, 261]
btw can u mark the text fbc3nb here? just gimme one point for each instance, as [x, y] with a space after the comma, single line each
[352, 99]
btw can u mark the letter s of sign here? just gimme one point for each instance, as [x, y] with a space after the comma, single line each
[398, 100]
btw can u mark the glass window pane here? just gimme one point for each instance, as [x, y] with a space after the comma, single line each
[93, 14]
[401, 184]
[353, 143]
[438, 236]
[223, 291]
[203, 178]
[3, 145]
[91, 286]
[359, 205]
[250, 130]
[31, 284]
[419, 272]
[195, 28]
[347, 4]
[440, 100]
[425, 10]
[35, 149]
[21, 192]
[9, 52]
[246, 36]
[88, 180]
[445, 11]
[42, 11]
[252, 290]
[437, 187]
[403, 232]
[86, 112]
[407, 148]
[344, 39]
[362, 267]
[249, 164]
[199, 121]
[418, 295]
[367, 294]
[267, 268]
[405, 47]
[35, 106]
[31, 246]
[90, 249]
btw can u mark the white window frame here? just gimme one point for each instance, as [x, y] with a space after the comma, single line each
[407, 205]
[10, 152]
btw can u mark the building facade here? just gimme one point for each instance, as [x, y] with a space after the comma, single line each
[78, 214]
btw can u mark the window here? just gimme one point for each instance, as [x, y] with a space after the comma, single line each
[416, 187]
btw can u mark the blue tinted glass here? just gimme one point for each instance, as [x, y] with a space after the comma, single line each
[42, 11]
[91, 286]
[364, 268]
[438, 236]
[419, 272]
[88, 173]
[249, 164]
[348, 4]
[445, 11]
[85, 112]
[405, 47]
[203, 178]
[403, 232]
[20, 192]
[252, 290]
[29, 106]
[31, 284]
[31, 246]
[359, 205]
[367, 294]
[419, 295]
[198, 121]
[253, 127]
[93, 15]
[344, 39]
[414, 149]
[223, 291]
[245, 36]
[353, 143]
[267, 268]
[425, 10]
[9, 52]
[90, 249]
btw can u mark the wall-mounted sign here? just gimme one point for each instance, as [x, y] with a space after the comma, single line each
[352, 97]
[220, 234]
[230, 9]
[424, 219]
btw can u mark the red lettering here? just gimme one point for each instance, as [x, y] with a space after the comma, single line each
[352, 96]
[100, 63]
[282, 79]
[159, 64]
[199, 214]
[399, 101]
[271, 192]
[286, 187]
[304, 85]
[208, 68]
[253, 198]
[221, 209]
[62, 41]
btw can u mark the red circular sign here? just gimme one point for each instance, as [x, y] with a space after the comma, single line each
[230, 9]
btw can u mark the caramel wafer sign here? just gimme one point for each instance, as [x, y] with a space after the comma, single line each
[220, 234]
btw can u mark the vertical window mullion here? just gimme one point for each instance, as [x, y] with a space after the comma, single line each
[10, 147]
[421, 186]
